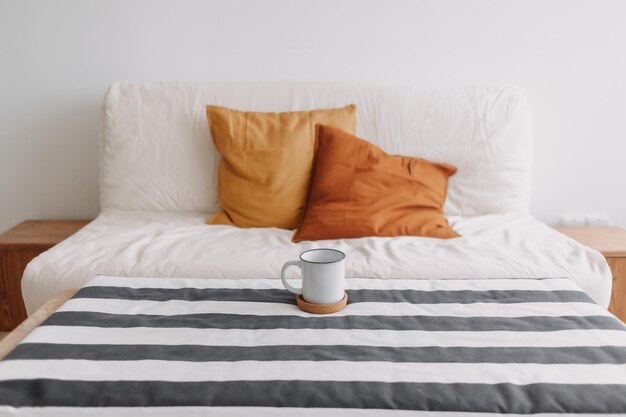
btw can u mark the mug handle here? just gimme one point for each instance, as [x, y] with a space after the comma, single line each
[287, 285]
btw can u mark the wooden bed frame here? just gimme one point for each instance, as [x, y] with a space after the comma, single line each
[16, 336]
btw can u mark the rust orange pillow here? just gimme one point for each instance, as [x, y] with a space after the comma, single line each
[265, 172]
[358, 190]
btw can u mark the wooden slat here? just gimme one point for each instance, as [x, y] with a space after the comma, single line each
[8, 343]
[611, 241]
[618, 295]
[12, 264]
[18, 246]
[39, 234]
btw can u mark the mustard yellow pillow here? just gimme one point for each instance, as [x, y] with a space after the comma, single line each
[265, 170]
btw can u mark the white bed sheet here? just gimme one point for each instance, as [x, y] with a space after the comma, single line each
[182, 246]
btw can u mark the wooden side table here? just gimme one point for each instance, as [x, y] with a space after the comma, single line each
[611, 242]
[18, 246]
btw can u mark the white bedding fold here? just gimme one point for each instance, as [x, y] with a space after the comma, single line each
[183, 246]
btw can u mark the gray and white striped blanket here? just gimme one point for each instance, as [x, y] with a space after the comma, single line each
[130, 346]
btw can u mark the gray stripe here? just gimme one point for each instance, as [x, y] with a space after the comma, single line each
[497, 398]
[355, 296]
[354, 353]
[244, 321]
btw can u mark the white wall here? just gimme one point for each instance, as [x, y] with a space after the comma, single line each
[58, 57]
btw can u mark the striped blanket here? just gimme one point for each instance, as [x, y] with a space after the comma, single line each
[129, 346]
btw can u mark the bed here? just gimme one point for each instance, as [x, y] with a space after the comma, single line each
[158, 187]
[510, 318]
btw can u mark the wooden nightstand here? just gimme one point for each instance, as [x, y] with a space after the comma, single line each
[17, 247]
[611, 242]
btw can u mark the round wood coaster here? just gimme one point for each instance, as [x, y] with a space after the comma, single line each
[322, 308]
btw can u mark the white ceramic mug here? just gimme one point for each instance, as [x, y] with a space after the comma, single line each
[323, 276]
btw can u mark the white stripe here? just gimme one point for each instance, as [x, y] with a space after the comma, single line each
[445, 373]
[351, 283]
[247, 411]
[271, 337]
[174, 307]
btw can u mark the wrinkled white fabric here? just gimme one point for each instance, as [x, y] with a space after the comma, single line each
[183, 246]
[158, 156]
[159, 164]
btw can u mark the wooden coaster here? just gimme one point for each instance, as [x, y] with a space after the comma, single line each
[322, 308]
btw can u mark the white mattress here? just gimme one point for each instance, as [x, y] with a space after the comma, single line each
[183, 246]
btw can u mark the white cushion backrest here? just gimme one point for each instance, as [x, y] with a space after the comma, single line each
[158, 156]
